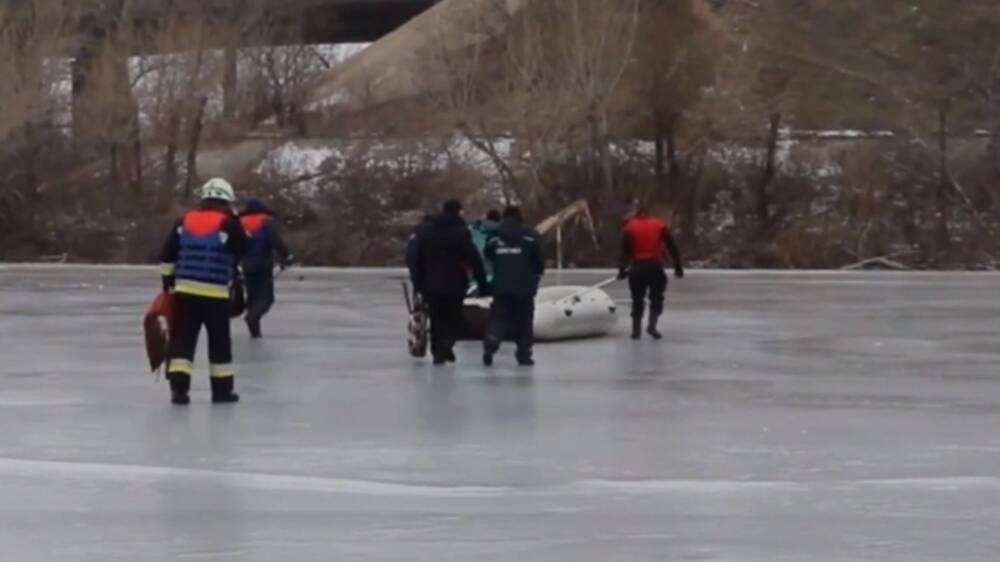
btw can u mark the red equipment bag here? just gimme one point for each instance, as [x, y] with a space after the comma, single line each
[157, 324]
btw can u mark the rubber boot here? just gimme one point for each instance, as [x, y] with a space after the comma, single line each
[523, 354]
[636, 327]
[442, 352]
[180, 385]
[490, 348]
[439, 354]
[222, 390]
[651, 329]
[253, 324]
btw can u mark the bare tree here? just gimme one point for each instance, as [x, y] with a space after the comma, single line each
[180, 83]
[676, 51]
[596, 46]
[278, 78]
[32, 33]
[471, 81]
[543, 78]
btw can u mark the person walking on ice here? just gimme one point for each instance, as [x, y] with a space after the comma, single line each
[263, 242]
[444, 257]
[198, 263]
[515, 250]
[646, 240]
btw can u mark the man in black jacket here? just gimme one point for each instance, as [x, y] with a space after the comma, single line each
[444, 256]
[516, 253]
[410, 251]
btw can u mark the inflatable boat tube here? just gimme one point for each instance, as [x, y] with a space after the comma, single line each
[561, 313]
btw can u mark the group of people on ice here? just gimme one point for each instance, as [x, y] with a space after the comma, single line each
[509, 267]
[215, 249]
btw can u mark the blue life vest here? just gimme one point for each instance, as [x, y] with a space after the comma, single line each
[203, 255]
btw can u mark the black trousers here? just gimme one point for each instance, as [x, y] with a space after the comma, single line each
[191, 314]
[446, 324]
[512, 318]
[647, 278]
[260, 294]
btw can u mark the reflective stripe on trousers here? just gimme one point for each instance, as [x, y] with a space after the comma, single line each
[180, 366]
[221, 371]
[201, 289]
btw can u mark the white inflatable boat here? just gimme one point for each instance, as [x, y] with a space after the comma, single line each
[566, 312]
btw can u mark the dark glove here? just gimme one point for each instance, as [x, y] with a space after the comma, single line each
[679, 272]
[623, 273]
[237, 300]
[287, 262]
[168, 282]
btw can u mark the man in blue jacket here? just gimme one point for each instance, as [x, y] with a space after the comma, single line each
[263, 242]
[516, 253]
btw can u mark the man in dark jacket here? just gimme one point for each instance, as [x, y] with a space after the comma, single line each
[445, 255]
[646, 240]
[198, 261]
[516, 253]
[411, 244]
[258, 263]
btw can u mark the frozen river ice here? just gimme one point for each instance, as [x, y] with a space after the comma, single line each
[785, 417]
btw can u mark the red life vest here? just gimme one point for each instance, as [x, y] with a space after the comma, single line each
[646, 235]
[254, 222]
[260, 244]
[202, 222]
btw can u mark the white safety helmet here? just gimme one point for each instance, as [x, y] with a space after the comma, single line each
[218, 188]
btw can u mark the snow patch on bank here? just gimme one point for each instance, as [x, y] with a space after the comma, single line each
[316, 165]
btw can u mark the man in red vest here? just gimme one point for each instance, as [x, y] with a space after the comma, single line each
[645, 244]
[263, 242]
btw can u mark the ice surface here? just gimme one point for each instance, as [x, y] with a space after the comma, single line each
[808, 417]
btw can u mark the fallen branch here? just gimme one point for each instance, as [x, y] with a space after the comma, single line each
[55, 258]
[883, 261]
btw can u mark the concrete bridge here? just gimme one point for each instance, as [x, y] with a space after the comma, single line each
[284, 22]
[300, 21]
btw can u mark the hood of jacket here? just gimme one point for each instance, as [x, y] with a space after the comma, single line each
[449, 220]
[253, 206]
[511, 231]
